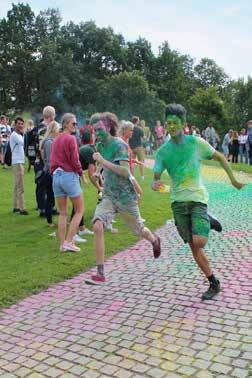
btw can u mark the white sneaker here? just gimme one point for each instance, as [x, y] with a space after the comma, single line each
[78, 239]
[69, 247]
[86, 231]
[114, 230]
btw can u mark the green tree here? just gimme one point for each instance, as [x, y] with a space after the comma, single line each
[209, 74]
[237, 96]
[128, 94]
[139, 56]
[172, 75]
[17, 56]
[207, 107]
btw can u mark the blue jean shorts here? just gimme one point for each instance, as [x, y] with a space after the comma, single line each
[66, 184]
[3, 147]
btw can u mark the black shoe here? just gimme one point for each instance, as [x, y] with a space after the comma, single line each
[15, 210]
[23, 212]
[214, 224]
[214, 288]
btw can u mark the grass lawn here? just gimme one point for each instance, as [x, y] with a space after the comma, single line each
[235, 167]
[30, 260]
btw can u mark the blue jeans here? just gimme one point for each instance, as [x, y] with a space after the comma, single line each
[250, 153]
[243, 153]
[66, 184]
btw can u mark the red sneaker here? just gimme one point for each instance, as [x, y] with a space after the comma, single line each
[96, 280]
[156, 246]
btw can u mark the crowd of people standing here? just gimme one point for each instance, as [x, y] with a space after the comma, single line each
[109, 150]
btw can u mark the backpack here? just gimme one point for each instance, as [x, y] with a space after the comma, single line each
[8, 154]
[31, 142]
[86, 135]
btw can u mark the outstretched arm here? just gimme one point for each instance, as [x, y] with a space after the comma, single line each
[118, 169]
[227, 168]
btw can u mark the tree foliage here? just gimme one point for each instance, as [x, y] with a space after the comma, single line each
[85, 68]
[207, 107]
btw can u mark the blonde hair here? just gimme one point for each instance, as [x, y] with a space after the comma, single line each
[30, 123]
[124, 126]
[52, 129]
[66, 119]
[235, 135]
[95, 118]
[49, 111]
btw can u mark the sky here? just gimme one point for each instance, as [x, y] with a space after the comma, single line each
[217, 29]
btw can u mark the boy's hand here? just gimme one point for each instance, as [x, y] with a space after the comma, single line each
[157, 184]
[238, 185]
[97, 156]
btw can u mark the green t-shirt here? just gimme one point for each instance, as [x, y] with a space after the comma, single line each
[116, 187]
[182, 162]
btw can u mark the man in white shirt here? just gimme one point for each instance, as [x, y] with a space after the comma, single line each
[243, 148]
[17, 160]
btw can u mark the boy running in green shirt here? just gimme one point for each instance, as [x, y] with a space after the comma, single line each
[181, 156]
[120, 191]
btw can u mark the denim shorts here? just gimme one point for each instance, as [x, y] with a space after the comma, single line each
[191, 218]
[66, 184]
[3, 147]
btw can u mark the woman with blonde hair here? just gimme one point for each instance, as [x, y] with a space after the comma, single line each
[52, 131]
[66, 169]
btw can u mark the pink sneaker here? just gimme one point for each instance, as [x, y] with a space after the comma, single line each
[96, 280]
[69, 247]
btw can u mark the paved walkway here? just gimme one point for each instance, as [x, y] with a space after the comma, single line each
[149, 321]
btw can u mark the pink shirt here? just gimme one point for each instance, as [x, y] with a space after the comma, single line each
[65, 154]
[159, 131]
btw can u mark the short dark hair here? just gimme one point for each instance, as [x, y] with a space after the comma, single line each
[177, 110]
[2, 117]
[135, 120]
[18, 119]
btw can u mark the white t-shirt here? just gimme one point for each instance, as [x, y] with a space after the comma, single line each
[17, 148]
[242, 139]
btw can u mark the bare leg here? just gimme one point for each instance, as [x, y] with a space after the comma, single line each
[99, 241]
[199, 255]
[78, 204]
[148, 235]
[141, 168]
[62, 224]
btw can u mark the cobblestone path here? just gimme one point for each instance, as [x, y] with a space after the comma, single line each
[149, 320]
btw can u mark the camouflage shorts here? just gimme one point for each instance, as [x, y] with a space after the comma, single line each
[191, 218]
[106, 210]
